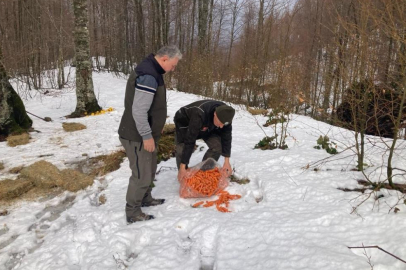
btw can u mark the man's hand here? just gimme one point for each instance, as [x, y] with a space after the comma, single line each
[149, 145]
[227, 167]
[181, 172]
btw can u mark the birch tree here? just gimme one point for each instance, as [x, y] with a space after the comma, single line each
[86, 101]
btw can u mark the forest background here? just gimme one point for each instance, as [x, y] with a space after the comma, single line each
[298, 56]
[330, 60]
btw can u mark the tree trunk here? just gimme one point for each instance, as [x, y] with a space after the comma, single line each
[401, 84]
[85, 97]
[13, 117]
[140, 31]
[166, 9]
[202, 25]
[328, 80]
[210, 24]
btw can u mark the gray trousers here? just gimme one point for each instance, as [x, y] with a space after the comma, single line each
[143, 166]
[214, 151]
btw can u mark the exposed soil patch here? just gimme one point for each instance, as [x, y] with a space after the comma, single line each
[254, 111]
[100, 165]
[44, 176]
[15, 140]
[102, 199]
[10, 189]
[16, 170]
[70, 127]
[166, 145]
[240, 181]
[44, 180]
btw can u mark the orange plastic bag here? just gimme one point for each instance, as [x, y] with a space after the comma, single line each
[203, 180]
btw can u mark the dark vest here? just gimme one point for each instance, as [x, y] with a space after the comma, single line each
[157, 111]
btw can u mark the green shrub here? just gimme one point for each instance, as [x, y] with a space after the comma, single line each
[270, 143]
[323, 142]
[275, 118]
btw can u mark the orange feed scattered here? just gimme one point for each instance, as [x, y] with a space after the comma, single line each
[198, 204]
[224, 199]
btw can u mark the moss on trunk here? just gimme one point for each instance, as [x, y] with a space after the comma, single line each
[13, 117]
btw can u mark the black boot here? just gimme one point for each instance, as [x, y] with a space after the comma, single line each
[140, 217]
[153, 202]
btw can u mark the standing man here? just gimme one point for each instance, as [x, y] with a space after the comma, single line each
[209, 120]
[141, 126]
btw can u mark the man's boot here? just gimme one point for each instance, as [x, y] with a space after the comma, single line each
[153, 202]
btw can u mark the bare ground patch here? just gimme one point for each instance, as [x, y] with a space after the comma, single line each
[100, 165]
[16, 170]
[254, 111]
[41, 178]
[238, 180]
[102, 199]
[10, 189]
[44, 180]
[70, 127]
[166, 145]
[15, 140]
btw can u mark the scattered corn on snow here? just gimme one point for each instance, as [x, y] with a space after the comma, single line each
[100, 112]
[286, 218]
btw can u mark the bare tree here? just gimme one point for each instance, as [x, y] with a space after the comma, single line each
[203, 11]
[395, 28]
[257, 53]
[86, 101]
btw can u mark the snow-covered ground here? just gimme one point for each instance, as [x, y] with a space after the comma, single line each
[287, 218]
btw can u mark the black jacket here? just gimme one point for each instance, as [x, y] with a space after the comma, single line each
[195, 121]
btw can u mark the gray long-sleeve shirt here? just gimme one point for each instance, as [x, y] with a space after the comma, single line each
[143, 96]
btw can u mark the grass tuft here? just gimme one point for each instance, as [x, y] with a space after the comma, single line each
[240, 181]
[43, 177]
[70, 127]
[16, 170]
[102, 199]
[43, 174]
[74, 181]
[15, 140]
[104, 164]
[257, 111]
[10, 189]
[166, 145]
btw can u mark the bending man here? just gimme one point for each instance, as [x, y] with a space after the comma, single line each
[209, 120]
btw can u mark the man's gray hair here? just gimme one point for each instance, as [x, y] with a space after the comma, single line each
[170, 50]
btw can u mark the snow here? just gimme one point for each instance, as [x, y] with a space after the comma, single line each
[288, 217]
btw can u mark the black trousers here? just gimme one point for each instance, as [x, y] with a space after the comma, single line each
[213, 141]
[143, 166]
